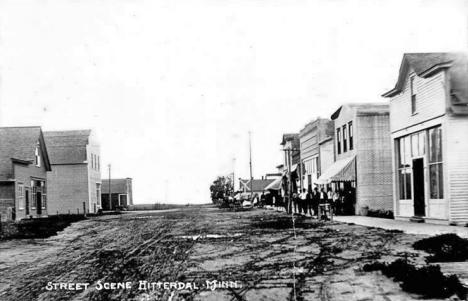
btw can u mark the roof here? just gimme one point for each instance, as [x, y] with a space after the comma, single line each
[293, 137]
[117, 186]
[426, 64]
[258, 185]
[371, 108]
[19, 144]
[67, 147]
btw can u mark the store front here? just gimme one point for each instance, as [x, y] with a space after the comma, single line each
[420, 174]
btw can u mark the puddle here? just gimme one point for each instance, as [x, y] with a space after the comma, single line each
[195, 237]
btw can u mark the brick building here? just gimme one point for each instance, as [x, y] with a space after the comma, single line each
[75, 180]
[121, 193]
[429, 131]
[363, 157]
[24, 163]
[310, 137]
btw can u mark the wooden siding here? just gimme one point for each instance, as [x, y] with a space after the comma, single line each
[457, 166]
[430, 100]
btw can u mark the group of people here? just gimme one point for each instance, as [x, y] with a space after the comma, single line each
[308, 201]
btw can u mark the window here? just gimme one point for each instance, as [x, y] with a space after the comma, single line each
[338, 141]
[20, 196]
[436, 170]
[316, 167]
[92, 161]
[98, 164]
[44, 194]
[38, 156]
[98, 194]
[404, 167]
[413, 95]
[33, 195]
[345, 145]
[350, 128]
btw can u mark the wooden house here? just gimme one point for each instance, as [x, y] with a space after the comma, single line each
[24, 163]
[429, 131]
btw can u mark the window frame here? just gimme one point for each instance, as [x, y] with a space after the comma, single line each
[38, 156]
[21, 204]
[350, 135]
[414, 92]
[338, 141]
[345, 142]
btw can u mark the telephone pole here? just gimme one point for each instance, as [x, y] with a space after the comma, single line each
[289, 152]
[251, 177]
[110, 195]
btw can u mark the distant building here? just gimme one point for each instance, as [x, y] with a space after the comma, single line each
[75, 180]
[310, 137]
[254, 186]
[121, 193]
[429, 131]
[24, 163]
[363, 157]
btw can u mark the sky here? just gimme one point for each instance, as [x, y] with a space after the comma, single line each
[173, 88]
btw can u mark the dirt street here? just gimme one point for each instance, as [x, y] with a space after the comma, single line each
[256, 255]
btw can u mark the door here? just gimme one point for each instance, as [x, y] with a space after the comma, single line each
[39, 202]
[26, 198]
[418, 184]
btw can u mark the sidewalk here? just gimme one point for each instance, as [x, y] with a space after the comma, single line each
[407, 227]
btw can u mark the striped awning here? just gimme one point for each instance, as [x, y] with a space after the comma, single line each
[341, 170]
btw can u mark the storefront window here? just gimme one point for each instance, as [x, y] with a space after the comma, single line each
[404, 170]
[436, 173]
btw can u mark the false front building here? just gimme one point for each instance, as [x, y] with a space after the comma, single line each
[429, 129]
[75, 182]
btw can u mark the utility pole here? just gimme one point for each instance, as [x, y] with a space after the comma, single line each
[251, 177]
[110, 195]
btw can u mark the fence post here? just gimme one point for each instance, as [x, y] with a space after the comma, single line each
[84, 209]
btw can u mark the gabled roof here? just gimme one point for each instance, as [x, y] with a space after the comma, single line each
[117, 186]
[19, 144]
[258, 185]
[426, 64]
[67, 147]
[371, 108]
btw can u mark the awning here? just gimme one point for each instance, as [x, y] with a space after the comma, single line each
[293, 168]
[275, 185]
[341, 170]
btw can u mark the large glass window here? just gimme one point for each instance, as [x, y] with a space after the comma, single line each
[436, 172]
[404, 167]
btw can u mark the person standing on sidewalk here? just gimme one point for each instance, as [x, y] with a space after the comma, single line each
[315, 201]
[303, 202]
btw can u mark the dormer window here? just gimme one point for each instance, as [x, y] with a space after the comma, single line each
[414, 91]
[38, 156]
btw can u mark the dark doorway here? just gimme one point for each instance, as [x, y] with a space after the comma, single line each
[39, 202]
[418, 184]
[26, 198]
[309, 182]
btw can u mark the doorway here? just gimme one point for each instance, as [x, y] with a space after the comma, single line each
[26, 198]
[418, 184]
[39, 202]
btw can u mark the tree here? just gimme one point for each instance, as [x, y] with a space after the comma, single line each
[220, 188]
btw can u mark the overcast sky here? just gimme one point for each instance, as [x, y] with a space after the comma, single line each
[172, 88]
